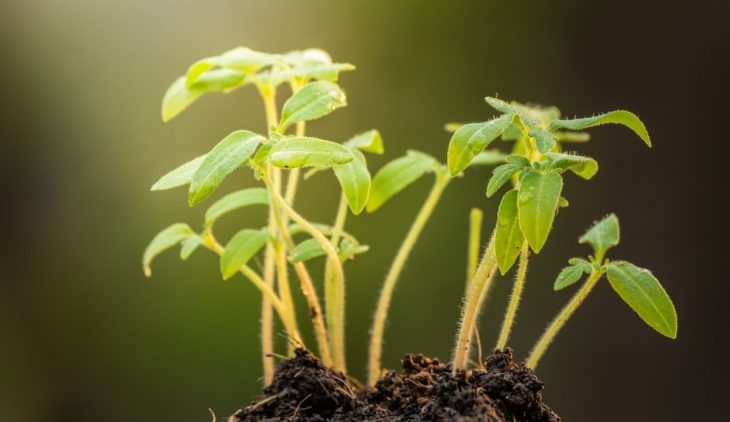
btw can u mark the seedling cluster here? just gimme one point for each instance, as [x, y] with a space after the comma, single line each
[534, 170]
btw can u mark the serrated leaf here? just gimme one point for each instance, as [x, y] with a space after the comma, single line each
[306, 250]
[508, 237]
[180, 176]
[314, 100]
[228, 155]
[234, 201]
[308, 152]
[584, 167]
[246, 60]
[471, 139]
[488, 158]
[623, 117]
[354, 179]
[537, 203]
[500, 176]
[643, 293]
[189, 245]
[243, 246]
[369, 141]
[603, 235]
[396, 176]
[572, 273]
[167, 238]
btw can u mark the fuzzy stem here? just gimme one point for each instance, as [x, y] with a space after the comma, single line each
[514, 300]
[330, 284]
[476, 293]
[386, 294]
[559, 321]
[475, 229]
[285, 292]
[337, 332]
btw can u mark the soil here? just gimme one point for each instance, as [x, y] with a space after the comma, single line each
[303, 390]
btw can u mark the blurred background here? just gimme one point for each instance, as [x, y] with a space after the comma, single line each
[85, 337]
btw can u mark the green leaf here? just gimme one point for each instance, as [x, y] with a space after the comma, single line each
[396, 176]
[643, 293]
[508, 237]
[164, 240]
[246, 60]
[234, 201]
[219, 80]
[229, 154]
[354, 179]
[518, 160]
[499, 105]
[306, 250]
[324, 72]
[189, 245]
[572, 273]
[180, 96]
[603, 235]
[584, 167]
[240, 249]
[180, 176]
[198, 68]
[314, 100]
[623, 117]
[471, 139]
[544, 140]
[369, 141]
[488, 158]
[308, 152]
[500, 176]
[349, 249]
[537, 202]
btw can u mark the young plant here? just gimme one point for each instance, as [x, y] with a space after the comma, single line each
[312, 78]
[526, 212]
[636, 286]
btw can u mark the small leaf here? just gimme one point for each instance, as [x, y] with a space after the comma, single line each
[189, 246]
[396, 176]
[219, 80]
[306, 250]
[572, 273]
[584, 167]
[537, 202]
[164, 240]
[603, 235]
[508, 237]
[246, 60]
[314, 100]
[229, 154]
[324, 72]
[643, 293]
[471, 139]
[500, 176]
[369, 141]
[563, 203]
[518, 160]
[308, 152]
[240, 249]
[499, 105]
[177, 98]
[354, 179]
[198, 68]
[488, 158]
[236, 200]
[544, 140]
[349, 249]
[180, 176]
[623, 117]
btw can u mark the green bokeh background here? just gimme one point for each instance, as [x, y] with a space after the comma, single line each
[85, 337]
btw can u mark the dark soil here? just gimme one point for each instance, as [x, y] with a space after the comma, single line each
[304, 390]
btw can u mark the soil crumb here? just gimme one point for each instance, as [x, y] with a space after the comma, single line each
[303, 390]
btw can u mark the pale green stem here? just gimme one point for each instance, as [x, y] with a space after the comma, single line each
[514, 300]
[559, 321]
[475, 230]
[285, 293]
[475, 296]
[336, 332]
[386, 294]
[331, 292]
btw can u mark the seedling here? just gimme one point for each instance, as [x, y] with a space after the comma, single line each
[526, 212]
[635, 286]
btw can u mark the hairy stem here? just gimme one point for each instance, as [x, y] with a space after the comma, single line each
[514, 300]
[285, 293]
[476, 293]
[331, 292]
[559, 321]
[386, 294]
[475, 229]
[336, 332]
